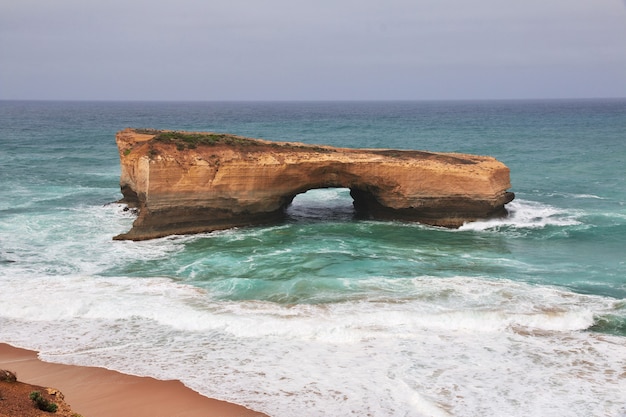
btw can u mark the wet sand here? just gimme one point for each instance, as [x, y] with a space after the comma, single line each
[98, 392]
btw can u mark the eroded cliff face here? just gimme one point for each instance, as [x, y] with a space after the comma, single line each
[184, 183]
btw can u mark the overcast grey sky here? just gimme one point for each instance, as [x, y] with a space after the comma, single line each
[311, 50]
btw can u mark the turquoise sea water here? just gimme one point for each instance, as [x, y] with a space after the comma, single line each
[324, 315]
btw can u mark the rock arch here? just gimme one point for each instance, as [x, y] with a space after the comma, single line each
[184, 182]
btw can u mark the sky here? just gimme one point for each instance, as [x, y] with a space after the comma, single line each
[311, 50]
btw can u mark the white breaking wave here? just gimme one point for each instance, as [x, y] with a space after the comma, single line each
[592, 196]
[524, 214]
[452, 346]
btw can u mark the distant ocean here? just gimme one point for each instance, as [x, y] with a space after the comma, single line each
[324, 315]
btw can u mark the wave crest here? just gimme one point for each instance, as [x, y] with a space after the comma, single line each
[525, 214]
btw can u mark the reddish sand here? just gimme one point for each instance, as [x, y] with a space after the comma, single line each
[98, 392]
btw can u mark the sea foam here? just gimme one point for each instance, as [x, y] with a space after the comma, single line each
[525, 214]
[425, 353]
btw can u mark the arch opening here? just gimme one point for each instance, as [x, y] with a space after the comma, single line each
[321, 204]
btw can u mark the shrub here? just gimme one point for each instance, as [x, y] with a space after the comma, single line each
[42, 403]
[191, 140]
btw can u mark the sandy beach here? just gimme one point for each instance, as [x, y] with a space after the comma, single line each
[98, 392]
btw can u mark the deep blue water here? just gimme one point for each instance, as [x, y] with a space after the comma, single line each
[428, 321]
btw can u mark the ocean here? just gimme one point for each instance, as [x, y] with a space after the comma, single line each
[323, 314]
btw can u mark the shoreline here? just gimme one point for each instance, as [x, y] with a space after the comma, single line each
[99, 392]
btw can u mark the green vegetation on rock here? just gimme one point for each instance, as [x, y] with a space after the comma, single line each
[42, 403]
[189, 140]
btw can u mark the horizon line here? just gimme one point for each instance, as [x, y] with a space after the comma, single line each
[302, 100]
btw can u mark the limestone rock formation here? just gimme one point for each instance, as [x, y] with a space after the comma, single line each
[188, 182]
